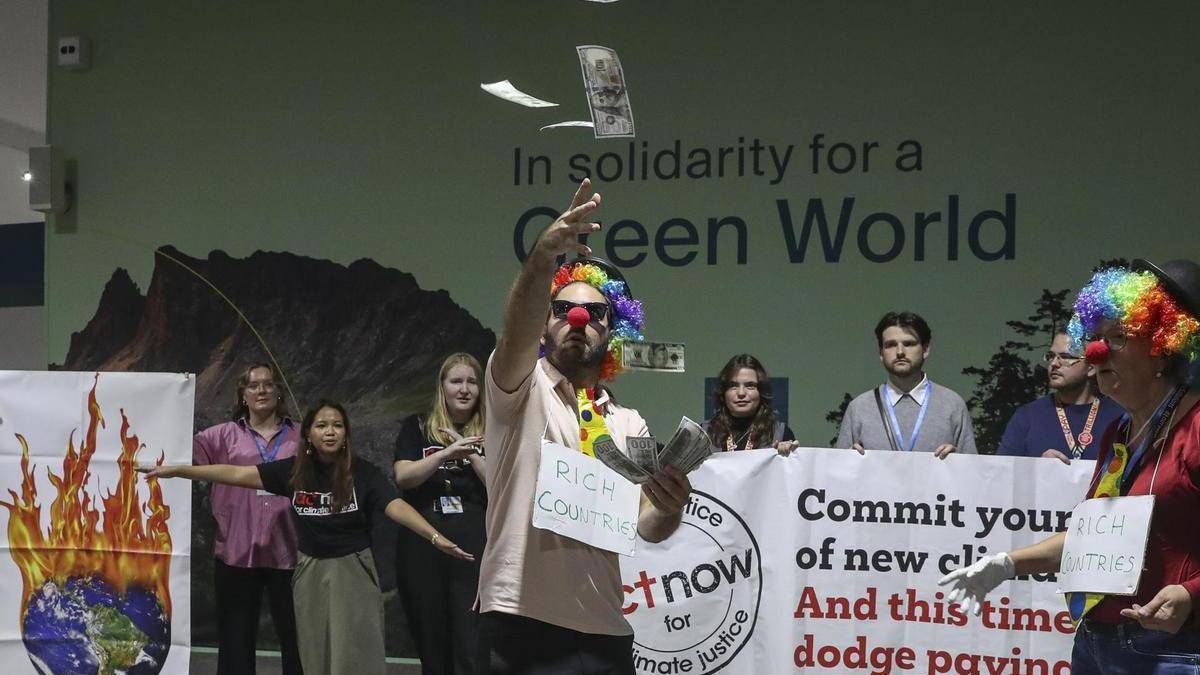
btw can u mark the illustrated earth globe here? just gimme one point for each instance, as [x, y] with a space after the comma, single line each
[84, 627]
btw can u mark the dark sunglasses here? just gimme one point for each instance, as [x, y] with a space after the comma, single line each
[597, 311]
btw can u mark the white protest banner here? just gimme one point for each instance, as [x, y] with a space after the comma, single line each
[1106, 545]
[95, 571]
[579, 497]
[827, 561]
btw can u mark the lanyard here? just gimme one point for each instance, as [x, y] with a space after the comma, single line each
[268, 453]
[1165, 411]
[731, 445]
[896, 423]
[1085, 437]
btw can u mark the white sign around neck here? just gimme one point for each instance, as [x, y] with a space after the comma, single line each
[579, 497]
[1106, 545]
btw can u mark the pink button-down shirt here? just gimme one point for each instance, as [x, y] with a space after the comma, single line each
[253, 530]
[526, 570]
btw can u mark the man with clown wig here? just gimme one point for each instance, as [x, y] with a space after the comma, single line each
[1141, 333]
[549, 603]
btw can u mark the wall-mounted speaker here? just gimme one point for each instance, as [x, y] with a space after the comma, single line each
[47, 180]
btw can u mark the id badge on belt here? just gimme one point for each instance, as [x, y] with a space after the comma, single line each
[450, 504]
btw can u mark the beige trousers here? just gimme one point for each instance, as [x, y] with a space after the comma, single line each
[339, 615]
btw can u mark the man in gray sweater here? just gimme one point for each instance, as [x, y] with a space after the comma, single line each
[908, 412]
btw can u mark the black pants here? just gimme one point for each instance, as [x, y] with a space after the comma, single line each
[518, 645]
[239, 594]
[438, 591]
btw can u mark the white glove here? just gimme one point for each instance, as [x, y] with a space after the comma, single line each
[969, 585]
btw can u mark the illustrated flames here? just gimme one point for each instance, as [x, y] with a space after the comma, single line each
[126, 545]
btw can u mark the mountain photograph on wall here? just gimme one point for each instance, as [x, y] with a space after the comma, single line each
[361, 334]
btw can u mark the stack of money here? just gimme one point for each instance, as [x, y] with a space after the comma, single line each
[608, 452]
[687, 449]
[644, 451]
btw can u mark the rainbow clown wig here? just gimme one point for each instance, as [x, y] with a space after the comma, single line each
[1137, 301]
[626, 320]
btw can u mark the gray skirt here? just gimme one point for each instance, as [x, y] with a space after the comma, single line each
[339, 615]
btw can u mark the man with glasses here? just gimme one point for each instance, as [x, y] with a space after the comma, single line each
[549, 603]
[1067, 423]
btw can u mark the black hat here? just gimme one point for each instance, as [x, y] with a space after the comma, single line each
[1180, 278]
[613, 272]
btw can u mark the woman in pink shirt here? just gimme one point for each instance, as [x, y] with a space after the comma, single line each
[255, 546]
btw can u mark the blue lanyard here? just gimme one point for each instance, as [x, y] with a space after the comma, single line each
[268, 455]
[896, 423]
[1161, 415]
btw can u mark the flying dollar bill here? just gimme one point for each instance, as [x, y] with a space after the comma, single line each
[607, 93]
[505, 90]
[568, 125]
[661, 356]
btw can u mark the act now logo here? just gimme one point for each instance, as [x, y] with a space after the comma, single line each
[693, 600]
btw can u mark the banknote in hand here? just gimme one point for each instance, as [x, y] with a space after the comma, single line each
[644, 451]
[608, 452]
[688, 447]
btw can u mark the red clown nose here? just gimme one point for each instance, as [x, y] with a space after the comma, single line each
[1097, 352]
[578, 317]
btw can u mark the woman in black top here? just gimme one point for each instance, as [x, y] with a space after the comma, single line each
[339, 608]
[440, 468]
[744, 417]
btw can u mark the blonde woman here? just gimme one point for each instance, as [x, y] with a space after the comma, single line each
[440, 469]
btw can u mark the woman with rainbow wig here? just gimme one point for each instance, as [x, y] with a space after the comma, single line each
[1140, 330]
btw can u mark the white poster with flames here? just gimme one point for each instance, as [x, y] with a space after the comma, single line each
[94, 571]
[827, 561]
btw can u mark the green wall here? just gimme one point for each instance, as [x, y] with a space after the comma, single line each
[361, 131]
